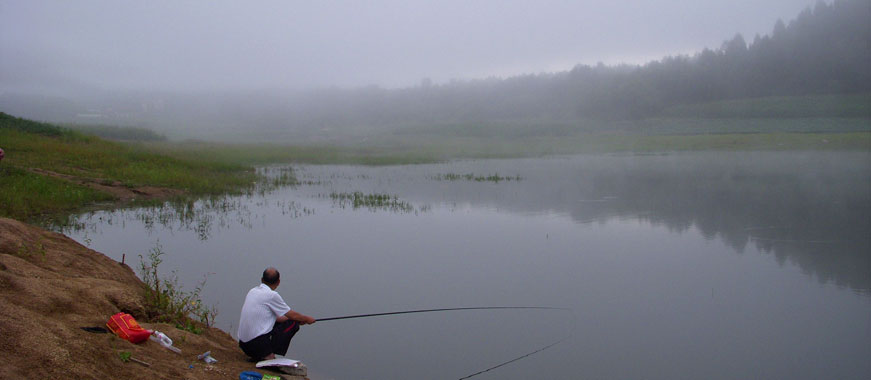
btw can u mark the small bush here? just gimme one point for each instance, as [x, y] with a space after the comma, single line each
[165, 301]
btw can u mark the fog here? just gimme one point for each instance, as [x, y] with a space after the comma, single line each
[302, 71]
[62, 46]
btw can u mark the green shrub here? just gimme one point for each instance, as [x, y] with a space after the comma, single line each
[166, 301]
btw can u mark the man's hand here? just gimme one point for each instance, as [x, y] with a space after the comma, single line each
[301, 318]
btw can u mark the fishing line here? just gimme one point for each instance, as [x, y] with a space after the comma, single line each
[567, 337]
[519, 357]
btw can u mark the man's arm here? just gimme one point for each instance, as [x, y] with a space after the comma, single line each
[294, 316]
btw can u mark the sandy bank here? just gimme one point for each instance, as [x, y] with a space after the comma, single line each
[51, 286]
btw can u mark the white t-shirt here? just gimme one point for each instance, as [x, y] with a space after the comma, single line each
[262, 305]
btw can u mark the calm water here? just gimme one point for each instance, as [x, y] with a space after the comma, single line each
[681, 266]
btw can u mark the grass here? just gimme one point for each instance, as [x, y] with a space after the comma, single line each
[39, 145]
[31, 145]
[24, 194]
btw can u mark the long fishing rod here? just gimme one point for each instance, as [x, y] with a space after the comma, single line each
[471, 308]
[444, 309]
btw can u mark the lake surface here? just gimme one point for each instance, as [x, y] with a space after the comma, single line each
[677, 266]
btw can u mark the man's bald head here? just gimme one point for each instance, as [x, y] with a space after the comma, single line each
[270, 276]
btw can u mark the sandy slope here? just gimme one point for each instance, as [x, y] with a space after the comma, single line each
[50, 286]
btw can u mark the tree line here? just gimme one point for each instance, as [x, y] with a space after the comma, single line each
[826, 49]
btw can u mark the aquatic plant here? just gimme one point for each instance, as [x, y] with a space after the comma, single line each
[373, 201]
[495, 177]
[273, 178]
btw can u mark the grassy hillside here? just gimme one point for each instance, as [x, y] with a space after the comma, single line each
[45, 167]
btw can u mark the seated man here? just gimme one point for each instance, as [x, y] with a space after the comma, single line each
[267, 324]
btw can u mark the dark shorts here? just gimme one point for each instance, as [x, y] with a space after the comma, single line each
[274, 342]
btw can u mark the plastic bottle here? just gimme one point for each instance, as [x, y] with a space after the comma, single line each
[164, 341]
[207, 357]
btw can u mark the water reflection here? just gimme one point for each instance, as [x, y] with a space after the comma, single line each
[810, 209]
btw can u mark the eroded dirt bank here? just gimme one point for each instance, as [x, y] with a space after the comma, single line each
[51, 286]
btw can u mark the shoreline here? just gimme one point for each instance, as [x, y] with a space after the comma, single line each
[52, 286]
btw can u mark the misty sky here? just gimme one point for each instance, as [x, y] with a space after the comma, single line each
[59, 46]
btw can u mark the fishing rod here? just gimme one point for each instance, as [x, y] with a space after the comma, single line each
[443, 309]
[472, 308]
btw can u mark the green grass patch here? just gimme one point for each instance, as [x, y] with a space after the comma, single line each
[125, 356]
[26, 195]
[32, 145]
[91, 157]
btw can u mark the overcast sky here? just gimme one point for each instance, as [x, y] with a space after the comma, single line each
[220, 45]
